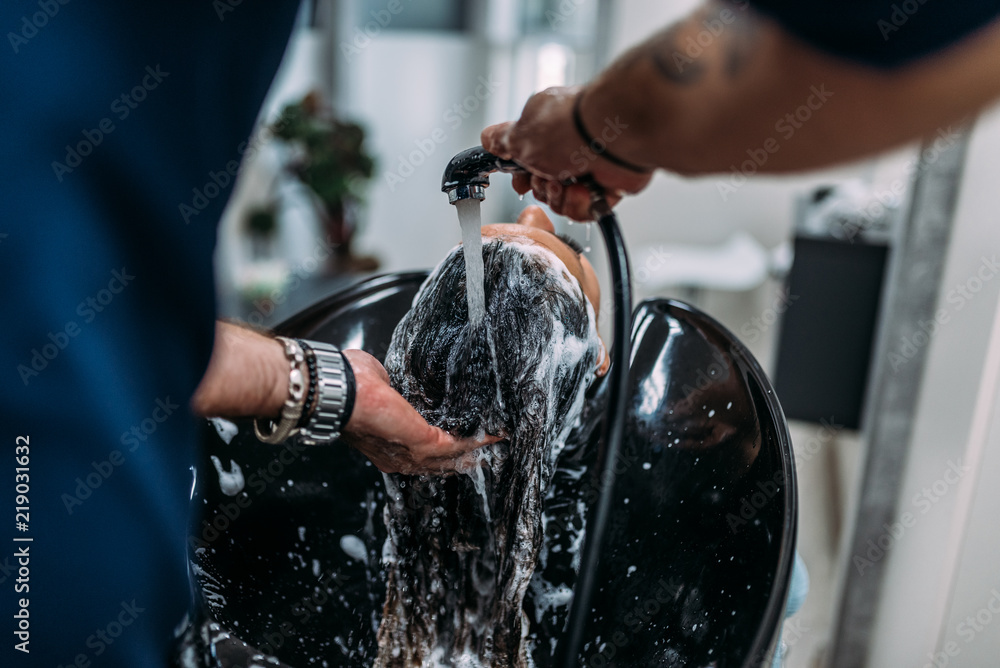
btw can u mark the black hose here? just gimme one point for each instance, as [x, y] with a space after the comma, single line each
[614, 427]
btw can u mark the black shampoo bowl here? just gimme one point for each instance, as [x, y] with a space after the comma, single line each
[696, 562]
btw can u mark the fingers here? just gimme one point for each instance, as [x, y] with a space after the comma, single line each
[391, 433]
[496, 140]
[521, 182]
[576, 203]
[539, 188]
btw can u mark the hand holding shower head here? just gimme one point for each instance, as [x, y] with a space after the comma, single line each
[468, 174]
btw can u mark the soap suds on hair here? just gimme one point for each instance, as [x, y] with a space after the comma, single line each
[462, 549]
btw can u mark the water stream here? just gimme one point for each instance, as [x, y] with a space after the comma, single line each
[471, 222]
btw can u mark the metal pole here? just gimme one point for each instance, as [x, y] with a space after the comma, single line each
[916, 269]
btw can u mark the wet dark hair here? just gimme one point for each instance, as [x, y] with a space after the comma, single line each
[462, 548]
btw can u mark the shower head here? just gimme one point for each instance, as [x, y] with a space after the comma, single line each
[468, 173]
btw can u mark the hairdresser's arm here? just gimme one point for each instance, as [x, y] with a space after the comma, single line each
[662, 106]
[248, 377]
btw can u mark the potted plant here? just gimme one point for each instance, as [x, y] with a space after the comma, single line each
[330, 158]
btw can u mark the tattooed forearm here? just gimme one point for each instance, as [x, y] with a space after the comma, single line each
[719, 37]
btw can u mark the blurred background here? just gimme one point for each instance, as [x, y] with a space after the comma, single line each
[822, 276]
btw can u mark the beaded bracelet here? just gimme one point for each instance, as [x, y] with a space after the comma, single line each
[313, 381]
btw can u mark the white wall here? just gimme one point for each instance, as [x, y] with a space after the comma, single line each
[408, 84]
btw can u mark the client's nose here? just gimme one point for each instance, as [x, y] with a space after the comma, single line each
[533, 216]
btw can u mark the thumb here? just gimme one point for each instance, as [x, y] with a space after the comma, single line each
[447, 445]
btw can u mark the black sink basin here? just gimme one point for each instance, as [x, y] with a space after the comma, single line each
[695, 565]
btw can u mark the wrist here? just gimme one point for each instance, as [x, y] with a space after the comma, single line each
[603, 136]
[624, 104]
[247, 375]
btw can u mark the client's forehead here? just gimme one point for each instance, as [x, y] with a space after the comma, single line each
[567, 256]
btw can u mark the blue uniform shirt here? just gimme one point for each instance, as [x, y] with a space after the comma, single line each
[115, 117]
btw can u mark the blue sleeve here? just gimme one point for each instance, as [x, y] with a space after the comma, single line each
[122, 124]
[881, 33]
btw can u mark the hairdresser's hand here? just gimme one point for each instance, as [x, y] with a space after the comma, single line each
[390, 432]
[545, 142]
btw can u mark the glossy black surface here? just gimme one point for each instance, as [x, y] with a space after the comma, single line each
[695, 565]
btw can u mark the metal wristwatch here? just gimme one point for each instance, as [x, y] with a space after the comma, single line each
[327, 417]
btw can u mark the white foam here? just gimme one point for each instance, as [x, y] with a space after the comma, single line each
[354, 548]
[230, 482]
[226, 429]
